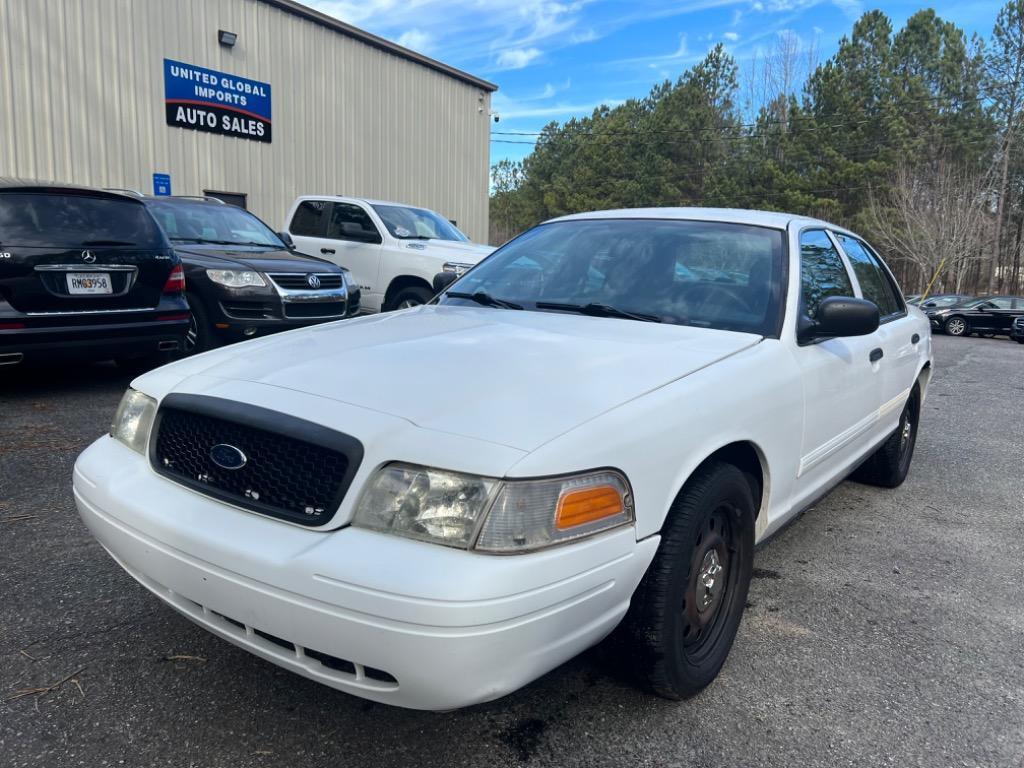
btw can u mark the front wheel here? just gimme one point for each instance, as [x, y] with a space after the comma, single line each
[957, 326]
[685, 613]
[412, 296]
[200, 336]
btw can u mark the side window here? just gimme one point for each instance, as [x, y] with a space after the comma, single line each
[822, 272]
[874, 282]
[1000, 302]
[310, 218]
[350, 222]
[1018, 303]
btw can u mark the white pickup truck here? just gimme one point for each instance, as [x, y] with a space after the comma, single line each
[391, 250]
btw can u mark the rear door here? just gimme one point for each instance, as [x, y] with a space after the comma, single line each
[71, 251]
[842, 383]
[898, 339]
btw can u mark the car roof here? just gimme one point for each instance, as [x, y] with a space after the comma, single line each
[351, 199]
[773, 219]
[10, 184]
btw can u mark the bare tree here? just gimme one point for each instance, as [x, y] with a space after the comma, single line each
[934, 218]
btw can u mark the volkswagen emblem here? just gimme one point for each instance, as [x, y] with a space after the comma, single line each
[88, 257]
[227, 456]
[313, 280]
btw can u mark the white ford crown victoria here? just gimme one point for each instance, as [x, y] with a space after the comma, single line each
[588, 431]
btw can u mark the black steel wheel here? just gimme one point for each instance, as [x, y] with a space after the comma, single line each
[889, 466]
[684, 615]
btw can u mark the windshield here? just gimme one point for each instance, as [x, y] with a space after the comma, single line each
[196, 222]
[417, 224]
[712, 275]
[46, 219]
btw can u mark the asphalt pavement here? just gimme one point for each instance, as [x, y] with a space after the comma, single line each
[883, 627]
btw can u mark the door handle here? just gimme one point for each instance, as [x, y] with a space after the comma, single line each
[326, 250]
[876, 354]
[915, 338]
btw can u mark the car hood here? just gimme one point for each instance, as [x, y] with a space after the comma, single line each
[260, 259]
[463, 253]
[514, 378]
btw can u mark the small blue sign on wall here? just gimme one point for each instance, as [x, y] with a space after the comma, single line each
[162, 184]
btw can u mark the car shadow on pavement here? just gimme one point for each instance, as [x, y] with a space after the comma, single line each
[46, 379]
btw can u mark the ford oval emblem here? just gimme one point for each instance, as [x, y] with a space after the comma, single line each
[227, 456]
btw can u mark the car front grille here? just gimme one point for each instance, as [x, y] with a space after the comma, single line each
[289, 468]
[1019, 323]
[299, 281]
[314, 309]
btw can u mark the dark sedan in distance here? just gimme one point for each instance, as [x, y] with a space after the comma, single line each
[243, 279]
[87, 274]
[985, 316]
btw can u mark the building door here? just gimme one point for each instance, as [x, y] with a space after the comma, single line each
[231, 198]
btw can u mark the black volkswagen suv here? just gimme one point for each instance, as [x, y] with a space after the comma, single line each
[243, 279]
[85, 273]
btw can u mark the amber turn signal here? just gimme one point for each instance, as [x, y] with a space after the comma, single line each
[587, 505]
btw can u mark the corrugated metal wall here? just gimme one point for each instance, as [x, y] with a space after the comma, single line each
[82, 100]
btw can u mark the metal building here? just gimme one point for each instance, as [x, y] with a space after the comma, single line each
[254, 100]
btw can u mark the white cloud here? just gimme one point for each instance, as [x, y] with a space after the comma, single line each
[737, 15]
[555, 110]
[732, 37]
[416, 39]
[517, 58]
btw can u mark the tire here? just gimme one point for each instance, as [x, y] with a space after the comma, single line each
[412, 296]
[683, 617]
[957, 326]
[200, 336]
[1019, 341]
[888, 466]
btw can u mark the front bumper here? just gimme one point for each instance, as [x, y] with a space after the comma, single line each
[396, 621]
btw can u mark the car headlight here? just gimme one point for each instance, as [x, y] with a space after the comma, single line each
[492, 515]
[457, 267]
[236, 278]
[134, 420]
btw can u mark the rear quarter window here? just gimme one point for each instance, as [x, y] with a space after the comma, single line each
[41, 219]
[310, 218]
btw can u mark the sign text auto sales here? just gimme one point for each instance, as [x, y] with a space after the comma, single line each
[216, 102]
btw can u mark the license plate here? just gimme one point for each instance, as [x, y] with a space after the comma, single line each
[89, 283]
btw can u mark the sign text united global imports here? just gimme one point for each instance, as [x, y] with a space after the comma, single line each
[216, 102]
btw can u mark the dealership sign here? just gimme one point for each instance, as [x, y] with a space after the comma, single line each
[216, 102]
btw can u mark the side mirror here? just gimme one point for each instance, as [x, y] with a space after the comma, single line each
[840, 316]
[442, 280]
[287, 240]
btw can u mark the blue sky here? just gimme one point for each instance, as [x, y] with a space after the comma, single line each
[555, 60]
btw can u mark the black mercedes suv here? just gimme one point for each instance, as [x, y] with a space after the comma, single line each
[243, 279]
[85, 273]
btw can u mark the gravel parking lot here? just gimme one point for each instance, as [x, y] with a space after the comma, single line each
[883, 627]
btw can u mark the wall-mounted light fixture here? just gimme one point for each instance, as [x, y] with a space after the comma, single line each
[225, 38]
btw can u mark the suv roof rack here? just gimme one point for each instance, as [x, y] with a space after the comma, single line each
[124, 190]
[198, 197]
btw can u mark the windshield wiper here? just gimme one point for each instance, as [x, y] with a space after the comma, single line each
[484, 298]
[599, 310]
[413, 237]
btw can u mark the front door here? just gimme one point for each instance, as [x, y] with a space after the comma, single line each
[842, 383]
[357, 245]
